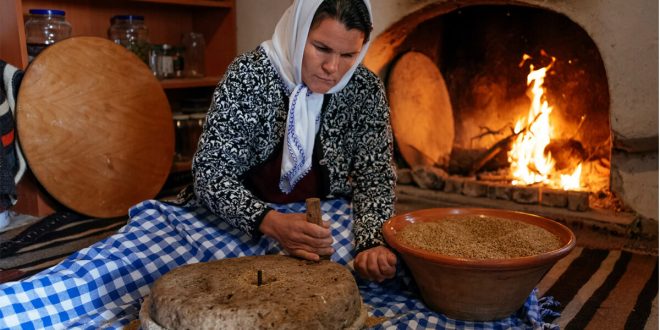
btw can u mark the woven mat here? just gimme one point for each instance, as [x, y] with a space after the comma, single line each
[30, 249]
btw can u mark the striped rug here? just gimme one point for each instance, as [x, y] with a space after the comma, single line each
[604, 289]
[26, 251]
[596, 288]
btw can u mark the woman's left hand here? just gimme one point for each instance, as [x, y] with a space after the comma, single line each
[376, 264]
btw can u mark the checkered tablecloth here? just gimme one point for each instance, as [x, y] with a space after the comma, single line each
[102, 286]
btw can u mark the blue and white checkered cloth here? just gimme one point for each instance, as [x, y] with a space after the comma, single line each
[102, 286]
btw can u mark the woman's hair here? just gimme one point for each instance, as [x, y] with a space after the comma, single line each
[354, 14]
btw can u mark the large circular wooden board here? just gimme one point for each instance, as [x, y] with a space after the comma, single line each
[422, 118]
[95, 126]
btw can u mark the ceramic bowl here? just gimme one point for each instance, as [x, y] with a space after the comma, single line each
[470, 289]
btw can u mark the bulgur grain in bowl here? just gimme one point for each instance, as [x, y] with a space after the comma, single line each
[477, 264]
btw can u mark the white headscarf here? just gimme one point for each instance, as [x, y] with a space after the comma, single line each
[285, 51]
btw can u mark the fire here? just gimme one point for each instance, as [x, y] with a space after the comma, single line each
[530, 163]
[572, 181]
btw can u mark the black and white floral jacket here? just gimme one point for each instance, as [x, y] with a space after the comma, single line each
[246, 122]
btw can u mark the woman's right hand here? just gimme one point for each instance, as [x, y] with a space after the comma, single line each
[297, 236]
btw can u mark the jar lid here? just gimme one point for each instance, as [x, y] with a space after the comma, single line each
[128, 17]
[198, 115]
[180, 116]
[55, 12]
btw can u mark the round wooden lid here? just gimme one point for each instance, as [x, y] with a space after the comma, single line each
[95, 126]
[422, 117]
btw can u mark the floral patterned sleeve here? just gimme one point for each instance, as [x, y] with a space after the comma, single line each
[372, 176]
[226, 149]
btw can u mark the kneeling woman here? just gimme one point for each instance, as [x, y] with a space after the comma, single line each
[300, 117]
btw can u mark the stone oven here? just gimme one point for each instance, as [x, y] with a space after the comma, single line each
[470, 81]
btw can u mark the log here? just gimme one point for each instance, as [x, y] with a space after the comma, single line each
[429, 177]
[502, 146]
[567, 153]
[462, 159]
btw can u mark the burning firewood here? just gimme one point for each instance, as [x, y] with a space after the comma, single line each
[567, 154]
[462, 160]
[502, 145]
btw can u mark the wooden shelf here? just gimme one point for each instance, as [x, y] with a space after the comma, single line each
[181, 166]
[167, 21]
[200, 3]
[190, 82]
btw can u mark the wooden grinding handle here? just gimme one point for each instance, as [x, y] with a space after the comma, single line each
[314, 211]
[314, 215]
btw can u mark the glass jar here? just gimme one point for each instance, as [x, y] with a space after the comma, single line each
[43, 28]
[131, 32]
[195, 47]
[161, 61]
[182, 125]
[178, 62]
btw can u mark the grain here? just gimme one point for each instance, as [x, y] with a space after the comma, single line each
[479, 237]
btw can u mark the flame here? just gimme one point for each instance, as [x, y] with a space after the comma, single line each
[572, 181]
[529, 163]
